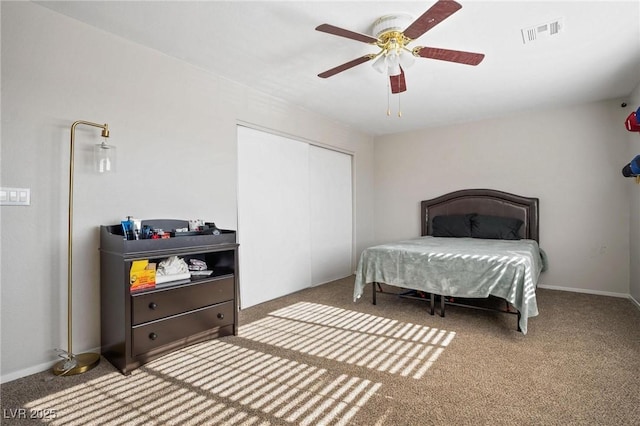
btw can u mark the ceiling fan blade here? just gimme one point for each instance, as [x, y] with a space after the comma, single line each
[331, 29]
[398, 83]
[432, 17]
[345, 66]
[458, 56]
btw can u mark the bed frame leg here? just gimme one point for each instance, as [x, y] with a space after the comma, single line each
[373, 286]
[519, 316]
[432, 303]
[442, 305]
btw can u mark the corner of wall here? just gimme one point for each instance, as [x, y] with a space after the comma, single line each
[634, 215]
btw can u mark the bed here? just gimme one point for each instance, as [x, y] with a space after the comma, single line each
[476, 245]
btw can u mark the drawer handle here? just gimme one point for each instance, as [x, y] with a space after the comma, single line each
[220, 315]
[153, 305]
[153, 336]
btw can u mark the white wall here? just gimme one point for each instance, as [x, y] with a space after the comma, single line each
[175, 129]
[569, 158]
[634, 199]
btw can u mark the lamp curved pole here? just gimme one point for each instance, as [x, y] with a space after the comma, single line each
[71, 363]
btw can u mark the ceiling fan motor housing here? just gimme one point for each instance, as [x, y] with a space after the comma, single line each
[396, 22]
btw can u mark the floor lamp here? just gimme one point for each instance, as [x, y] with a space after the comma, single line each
[104, 157]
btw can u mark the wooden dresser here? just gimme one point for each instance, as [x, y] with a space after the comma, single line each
[137, 327]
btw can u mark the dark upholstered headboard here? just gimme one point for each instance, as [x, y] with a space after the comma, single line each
[483, 201]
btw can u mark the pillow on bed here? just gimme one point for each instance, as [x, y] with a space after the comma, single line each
[495, 227]
[455, 225]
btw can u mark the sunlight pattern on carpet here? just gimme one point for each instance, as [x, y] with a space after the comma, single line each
[213, 383]
[352, 337]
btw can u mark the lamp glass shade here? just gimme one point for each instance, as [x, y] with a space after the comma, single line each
[406, 59]
[104, 158]
[392, 60]
[394, 69]
[380, 64]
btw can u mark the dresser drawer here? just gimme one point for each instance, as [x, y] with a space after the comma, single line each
[152, 335]
[164, 303]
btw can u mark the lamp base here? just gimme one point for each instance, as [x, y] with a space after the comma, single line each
[83, 363]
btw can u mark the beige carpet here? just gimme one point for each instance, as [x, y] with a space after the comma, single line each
[316, 357]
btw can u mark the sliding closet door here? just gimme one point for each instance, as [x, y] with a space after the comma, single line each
[330, 214]
[273, 216]
[294, 215]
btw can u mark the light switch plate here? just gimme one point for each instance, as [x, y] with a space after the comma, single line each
[15, 196]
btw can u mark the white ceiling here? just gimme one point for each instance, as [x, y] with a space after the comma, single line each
[273, 47]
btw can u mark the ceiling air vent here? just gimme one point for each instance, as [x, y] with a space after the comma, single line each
[542, 31]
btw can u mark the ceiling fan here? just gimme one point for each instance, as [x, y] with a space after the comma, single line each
[394, 55]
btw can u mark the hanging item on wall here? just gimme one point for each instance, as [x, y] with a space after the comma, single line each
[632, 123]
[632, 169]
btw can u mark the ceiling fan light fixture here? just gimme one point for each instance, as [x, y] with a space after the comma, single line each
[394, 70]
[406, 59]
[390, 61]
[388, 30]
[380, 64]
[393, 63]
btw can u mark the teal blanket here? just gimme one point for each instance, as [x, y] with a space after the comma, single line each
[458, 267]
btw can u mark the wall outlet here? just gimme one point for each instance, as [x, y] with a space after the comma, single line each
[15, 196]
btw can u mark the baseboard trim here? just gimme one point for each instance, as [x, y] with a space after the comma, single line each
[582, 290]
[27, 371]
[634, 301]
[14, 375]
